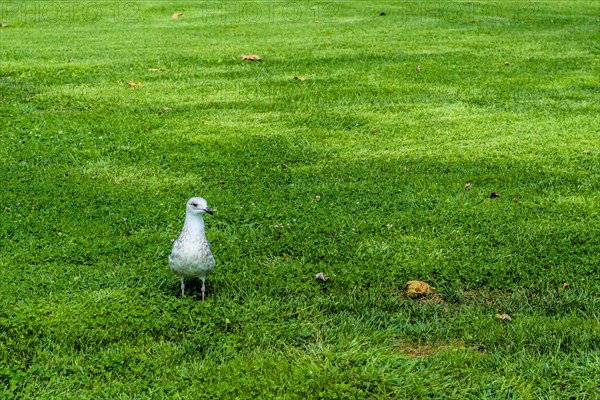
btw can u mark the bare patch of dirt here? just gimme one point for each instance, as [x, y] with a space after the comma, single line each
[433, 299]
[418, 350]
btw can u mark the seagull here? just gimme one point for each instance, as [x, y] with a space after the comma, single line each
[191, 256]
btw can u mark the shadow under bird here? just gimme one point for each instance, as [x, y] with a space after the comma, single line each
[191, 256]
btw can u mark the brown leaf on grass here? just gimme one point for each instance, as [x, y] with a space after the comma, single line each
[468, 186]
[134, 84]
[251, 57]
[375, 131]
[321, 277]
[565, 285]
[299, 78]
[416, 289]
[503, 317]
[494, 195]
[176, 15]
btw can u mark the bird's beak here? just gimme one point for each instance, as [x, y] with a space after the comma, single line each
[209, 211]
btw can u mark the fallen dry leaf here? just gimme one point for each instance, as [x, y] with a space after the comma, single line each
[494, 195]
[418, 68]
[468, 185]
[284, 166]
[503, 317]
[251, 57]
[134, 84]
[565, 285]
[506, 63]
[376, 131]
[417, 289]
[299, 78]
[176, 15]
[321, 277]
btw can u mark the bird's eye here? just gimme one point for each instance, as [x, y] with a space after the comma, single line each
[194, 205]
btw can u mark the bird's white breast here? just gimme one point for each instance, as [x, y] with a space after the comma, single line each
[191, 256]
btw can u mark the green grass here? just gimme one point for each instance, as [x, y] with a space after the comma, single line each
[357, 172]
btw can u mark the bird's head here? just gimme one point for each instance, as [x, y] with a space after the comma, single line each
[198, 206]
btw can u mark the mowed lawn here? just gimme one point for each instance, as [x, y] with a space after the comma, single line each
[114, 114]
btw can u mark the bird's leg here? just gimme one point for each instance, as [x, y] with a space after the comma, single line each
[182, 286]
[202, 289]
